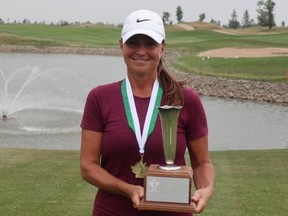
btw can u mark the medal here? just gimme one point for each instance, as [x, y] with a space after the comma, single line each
[139, 168]
[133, 121]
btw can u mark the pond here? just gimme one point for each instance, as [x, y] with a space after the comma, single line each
[43, 96]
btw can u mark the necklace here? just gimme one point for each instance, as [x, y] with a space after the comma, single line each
[133, 121]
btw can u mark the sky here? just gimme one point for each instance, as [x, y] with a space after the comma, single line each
[115, 11]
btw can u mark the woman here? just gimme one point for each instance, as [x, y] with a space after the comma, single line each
[111, 145]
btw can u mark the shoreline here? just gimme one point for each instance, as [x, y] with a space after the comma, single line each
[273, 92]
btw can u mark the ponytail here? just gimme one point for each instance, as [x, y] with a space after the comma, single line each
[171, 87]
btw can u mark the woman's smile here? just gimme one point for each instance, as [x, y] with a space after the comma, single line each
[137, 59]
[141, 54]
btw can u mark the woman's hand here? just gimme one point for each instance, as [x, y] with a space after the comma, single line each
[201, 198]
[136, 194]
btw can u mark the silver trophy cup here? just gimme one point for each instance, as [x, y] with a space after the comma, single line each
[169, 121]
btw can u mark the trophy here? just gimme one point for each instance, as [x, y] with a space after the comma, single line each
[168, 187]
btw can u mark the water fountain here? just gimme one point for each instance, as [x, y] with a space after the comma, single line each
[42, 96]
[38, 101]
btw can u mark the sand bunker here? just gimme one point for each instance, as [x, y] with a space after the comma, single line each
[185, 26]
[230, 52]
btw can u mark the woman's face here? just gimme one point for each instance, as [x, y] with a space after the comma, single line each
[141, 54]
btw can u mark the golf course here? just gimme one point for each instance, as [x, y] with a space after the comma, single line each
[242, 64]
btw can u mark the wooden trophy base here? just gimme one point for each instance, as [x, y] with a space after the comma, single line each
[170, 207]
[167, 190]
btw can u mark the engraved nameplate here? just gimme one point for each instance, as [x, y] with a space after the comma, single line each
[167, 189]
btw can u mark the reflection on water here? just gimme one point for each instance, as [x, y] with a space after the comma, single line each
[54, 122]
[41, 121]
[235, 124]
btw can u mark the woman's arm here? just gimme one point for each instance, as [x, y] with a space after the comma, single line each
[92, 172]
[203, 172]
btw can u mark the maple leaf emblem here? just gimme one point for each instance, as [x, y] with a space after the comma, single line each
[139, 169]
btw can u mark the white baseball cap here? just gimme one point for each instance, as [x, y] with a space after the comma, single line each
[143, 22]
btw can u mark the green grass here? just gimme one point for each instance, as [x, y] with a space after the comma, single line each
[250, 183]
[191, 41]
[48, 182]
[43, 35]
[201, 40]
[265, 69]
[37, 182]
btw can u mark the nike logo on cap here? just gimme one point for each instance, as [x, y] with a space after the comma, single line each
[142, 20]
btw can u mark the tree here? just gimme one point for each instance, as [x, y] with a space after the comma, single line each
[179, 14]
[265, 13]
[62, 23]
[215, 22]
[202, 16]
[26, 21]
[166, 17]
[233, 22]
[246, 22]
